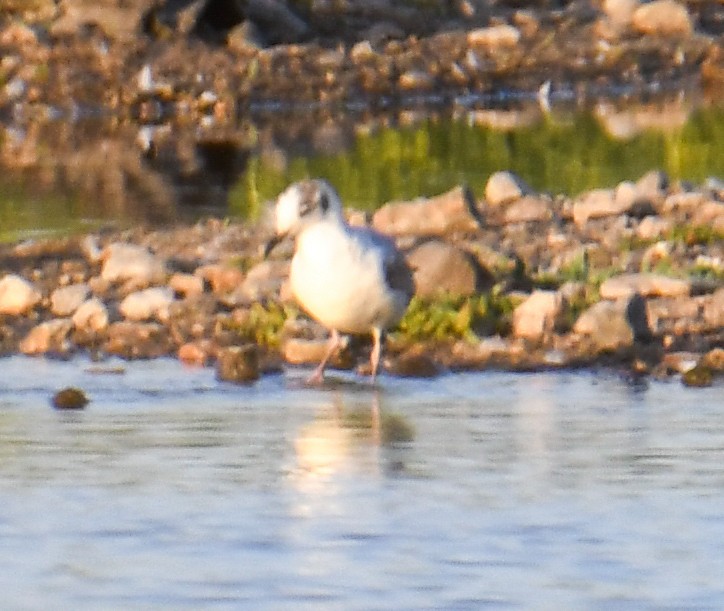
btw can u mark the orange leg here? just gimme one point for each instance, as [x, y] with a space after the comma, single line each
[376, 351]
[318, 376]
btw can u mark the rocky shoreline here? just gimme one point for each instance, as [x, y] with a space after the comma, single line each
[630, 276]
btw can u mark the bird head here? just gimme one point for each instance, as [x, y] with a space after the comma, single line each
[302, 204]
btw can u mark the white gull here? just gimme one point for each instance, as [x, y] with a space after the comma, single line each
[351, 279]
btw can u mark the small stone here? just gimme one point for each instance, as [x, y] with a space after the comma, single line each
[714, 309]
[17, 295]
[301, 351]
[699, 376]
[646, 285]
[48, 336]
[414, 363]
[598, 203]
[652, 185]
[494, 36]
[714, 360]
[186, 285]
[416, 80]
[620, 12]
[70, 398]
[361, 52]
[92, 315]
[147, 304]
[442, 268]
[133, 340]
[654, 227]
[222, 278]
[613, 325]
[436, 216]
[663, 18]
[504, 187]
[264, 280]
[131, 263]
[238, 364]
[195, 353]
[528, 209]
[67, 299]
[537, 315]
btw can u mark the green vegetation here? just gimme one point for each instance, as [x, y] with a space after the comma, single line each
[263, 323]
[451, 317]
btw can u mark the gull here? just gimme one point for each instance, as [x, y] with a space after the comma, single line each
[350, 279]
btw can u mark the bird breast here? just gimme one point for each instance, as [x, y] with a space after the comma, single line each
[341, 283]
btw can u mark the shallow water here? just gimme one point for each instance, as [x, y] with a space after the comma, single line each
[174, 490]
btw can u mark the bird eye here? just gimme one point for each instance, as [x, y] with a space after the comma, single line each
[324, 202]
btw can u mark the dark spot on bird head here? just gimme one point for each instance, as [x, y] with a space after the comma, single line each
[324, 201]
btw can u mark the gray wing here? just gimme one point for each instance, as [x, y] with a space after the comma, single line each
[398, 275]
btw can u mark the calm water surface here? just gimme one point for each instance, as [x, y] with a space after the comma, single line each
[172, 490]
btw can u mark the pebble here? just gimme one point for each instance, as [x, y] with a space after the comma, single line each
[91, 315]
[439, 268]
[17, 295]
[70, 398]
[494, 36]
[528, 209]
[130, 262]
[222, 278]
[67, 299]
[646, 285]
[614, 325]
[599, 203]
[238, 364]
[436, 216]
[186, 285]
[537, 315]
[663, 18]
[48, 336]
[149, 303]
[503, 187]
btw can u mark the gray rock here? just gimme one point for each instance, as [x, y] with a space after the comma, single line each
[652, 185]
[17, 295]
[131, 263]
[620, 12]
[646, 285]
[238, 364]
[263, 280]
[654, 227]
[528, 209]
[663, 18]
[714, 310]
[537, 315]
[599, 203]
[494, 36]
[436, 216]
[503, 187]
[188, 285]
[48, 336]
[613, 325]
[147, 304]
[439, 267]
[67, 299]
[92, 315]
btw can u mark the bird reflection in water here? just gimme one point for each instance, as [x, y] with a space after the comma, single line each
[349, 440]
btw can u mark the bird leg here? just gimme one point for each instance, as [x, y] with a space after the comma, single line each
[376, 351]
[318, 376]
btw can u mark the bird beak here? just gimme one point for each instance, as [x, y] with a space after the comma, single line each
[272, 243]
